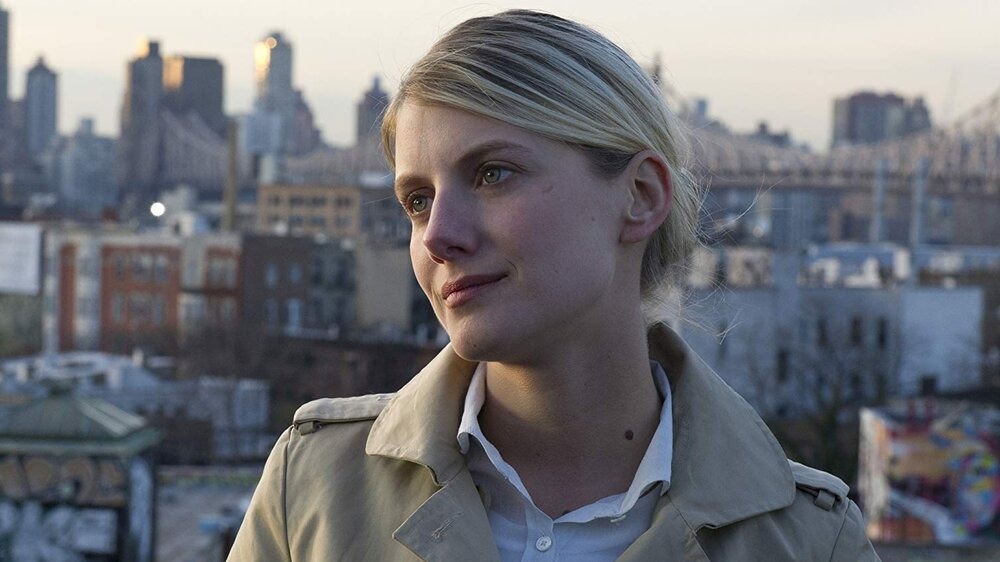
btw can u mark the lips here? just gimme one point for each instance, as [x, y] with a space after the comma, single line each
[468, 282]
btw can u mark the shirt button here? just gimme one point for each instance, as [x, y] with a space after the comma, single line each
[543, 543]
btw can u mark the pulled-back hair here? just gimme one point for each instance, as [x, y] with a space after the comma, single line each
[569, 83]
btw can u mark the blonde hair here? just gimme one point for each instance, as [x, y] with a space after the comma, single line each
[569, 83]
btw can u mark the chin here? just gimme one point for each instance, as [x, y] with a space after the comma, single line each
[477, 347]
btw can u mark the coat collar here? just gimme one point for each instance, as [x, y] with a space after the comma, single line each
[727, 465]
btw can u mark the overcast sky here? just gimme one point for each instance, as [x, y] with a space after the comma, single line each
[777, 60]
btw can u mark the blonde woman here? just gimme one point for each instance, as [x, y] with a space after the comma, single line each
[545, 180]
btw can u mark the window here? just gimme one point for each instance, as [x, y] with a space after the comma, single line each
[157, 310]
[271, 313]
[120, 266]
[857, 334]
[275, 200]
[227, 311]
[271, 275]
[928, 385]
[856, 386]
[294, 307]
[139, 312]
[821, 336]
[117, 309]
[142, 267]
[883, 333]
[221, 271]
[296, 201]
[317, 201]
[295, 274]
[161, 269]
[782, 365]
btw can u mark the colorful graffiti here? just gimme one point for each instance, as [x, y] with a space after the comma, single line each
[930, 472]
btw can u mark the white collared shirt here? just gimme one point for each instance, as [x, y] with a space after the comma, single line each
[599, 532]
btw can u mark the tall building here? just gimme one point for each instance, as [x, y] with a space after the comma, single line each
[139, 151]
[80, 169]
[370, 110]
[867, 117]
[4, 65]
[195, 85]
[40, 104]
[273, 73]
[282, 123]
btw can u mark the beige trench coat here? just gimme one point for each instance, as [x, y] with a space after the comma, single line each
[380, 478]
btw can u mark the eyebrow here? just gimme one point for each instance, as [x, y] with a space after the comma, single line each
[470, 157]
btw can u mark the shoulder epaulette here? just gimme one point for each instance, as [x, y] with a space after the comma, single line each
[311, 416]
[826, 488]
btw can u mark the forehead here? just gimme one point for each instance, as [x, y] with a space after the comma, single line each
[433, 135]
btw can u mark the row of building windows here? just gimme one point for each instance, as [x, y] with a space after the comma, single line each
[340, 202]
[293, 313]
[222, 271]
[139, 309]
[341, 222]
[823, 340]
[142, 267]
[272, 274]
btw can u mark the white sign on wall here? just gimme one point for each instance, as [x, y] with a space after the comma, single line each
[20, 258]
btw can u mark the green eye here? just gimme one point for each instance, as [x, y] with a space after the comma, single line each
[418, 204]
[493, 174]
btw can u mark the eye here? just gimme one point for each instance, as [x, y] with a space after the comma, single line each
[493, 174]
[416, 203]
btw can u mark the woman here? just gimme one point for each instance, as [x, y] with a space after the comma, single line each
[545, 181]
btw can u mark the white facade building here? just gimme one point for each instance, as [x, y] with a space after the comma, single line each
[794, 332]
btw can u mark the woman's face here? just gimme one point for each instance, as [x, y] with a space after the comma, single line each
[515, 239]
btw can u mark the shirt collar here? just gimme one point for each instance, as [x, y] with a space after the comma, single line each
[653, 469]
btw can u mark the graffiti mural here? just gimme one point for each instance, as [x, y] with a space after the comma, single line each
[78, 480]
[930, 472]
[61, 508]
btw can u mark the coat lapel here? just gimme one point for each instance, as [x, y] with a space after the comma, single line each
[450, 525]
[668, 534]
[727, 465]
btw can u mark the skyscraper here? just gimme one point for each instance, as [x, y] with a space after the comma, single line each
[281, 123]
[195, 85]
[273, 72]
[40, 105]
[370, 110]
[140, 138]
[4, 65]
[867, 117]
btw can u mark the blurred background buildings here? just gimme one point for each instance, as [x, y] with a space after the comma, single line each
[201, 274]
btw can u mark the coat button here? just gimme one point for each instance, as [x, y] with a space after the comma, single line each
[543, 543]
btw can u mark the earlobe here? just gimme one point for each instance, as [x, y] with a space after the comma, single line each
[650, 191]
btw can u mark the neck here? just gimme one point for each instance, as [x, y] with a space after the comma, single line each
[582, 417]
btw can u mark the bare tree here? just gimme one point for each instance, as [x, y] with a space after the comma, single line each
[818, 378]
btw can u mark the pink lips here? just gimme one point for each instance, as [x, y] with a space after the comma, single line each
[463, 289]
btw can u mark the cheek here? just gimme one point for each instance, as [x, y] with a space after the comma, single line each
[422, 266]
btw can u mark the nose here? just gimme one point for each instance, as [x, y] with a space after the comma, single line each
[451, 230]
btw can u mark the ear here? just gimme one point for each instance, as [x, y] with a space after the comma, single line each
[650, 193]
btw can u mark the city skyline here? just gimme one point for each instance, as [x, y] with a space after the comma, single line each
[781, 61]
